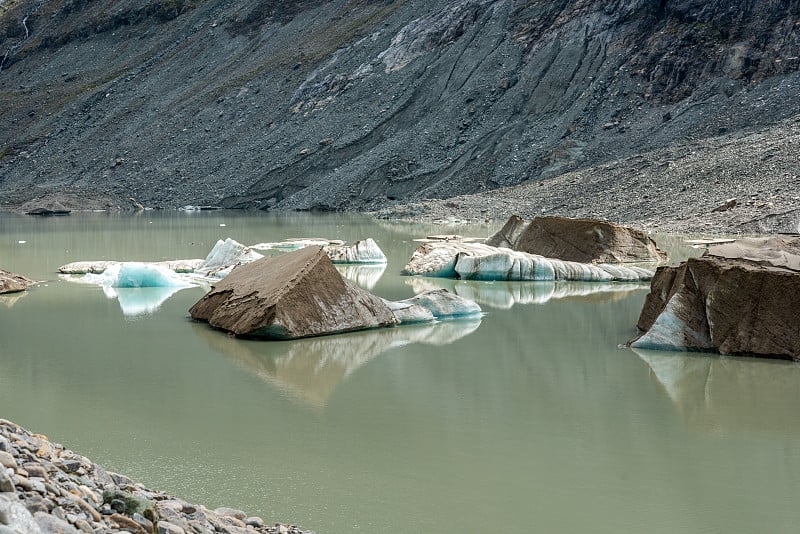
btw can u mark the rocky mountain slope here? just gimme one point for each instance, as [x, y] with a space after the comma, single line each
[367, 104]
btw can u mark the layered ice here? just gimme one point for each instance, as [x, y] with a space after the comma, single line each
[476, 261]
[438, 304]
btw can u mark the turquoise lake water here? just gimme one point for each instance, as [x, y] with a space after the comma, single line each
[531, 419]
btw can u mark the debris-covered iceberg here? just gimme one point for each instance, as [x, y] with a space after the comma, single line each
[476, 261]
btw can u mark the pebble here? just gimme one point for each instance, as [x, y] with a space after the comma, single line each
[45, 488]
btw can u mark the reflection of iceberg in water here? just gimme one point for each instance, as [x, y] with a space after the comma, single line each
[140, 300]
[365, 275]
[724, 394]
[310, 369]
[504, 295]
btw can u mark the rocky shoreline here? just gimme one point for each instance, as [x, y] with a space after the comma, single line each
[46, 488]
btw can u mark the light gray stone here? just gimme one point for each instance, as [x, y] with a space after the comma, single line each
[7, 460]
[16, 516]
[168, 528]
[53, 525]
[6, 483]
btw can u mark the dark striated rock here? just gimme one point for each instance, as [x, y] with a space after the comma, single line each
[479, 94]
[581, 240]
[13, 283]
[738, 298]
[298, 294]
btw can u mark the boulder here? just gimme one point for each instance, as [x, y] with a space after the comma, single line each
[47, 208]
[581, 240]
[13, 283]
[298, 294]
[738, 298]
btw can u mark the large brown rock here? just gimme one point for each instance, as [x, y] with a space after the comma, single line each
[738, 298]
[298, 294]
[13, 283]
[581, 240]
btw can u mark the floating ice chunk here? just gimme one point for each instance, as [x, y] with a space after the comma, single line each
[224, 257]
[140, 288]
[97, 267]
[296, 244]
[135, 274]
[475, 261]
[408, 312]
[444, 305]
[438, 258]
[364, 251]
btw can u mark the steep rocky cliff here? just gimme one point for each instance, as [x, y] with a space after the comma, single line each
[352, 104]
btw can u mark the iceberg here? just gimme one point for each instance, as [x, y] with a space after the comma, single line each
[99, 266]
[476, 261]
[362, 251]
[295, 244]
[131, 274]
[444, 305]
[224, 257]
[140, 288]
[435, 304]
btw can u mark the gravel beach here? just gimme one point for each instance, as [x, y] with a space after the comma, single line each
[46, 488]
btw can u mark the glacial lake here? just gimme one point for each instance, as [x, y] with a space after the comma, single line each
[531, 419]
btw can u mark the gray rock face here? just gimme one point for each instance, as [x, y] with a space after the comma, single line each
[582, 240]
[313, 105]
[298, 294]
[739, 298]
